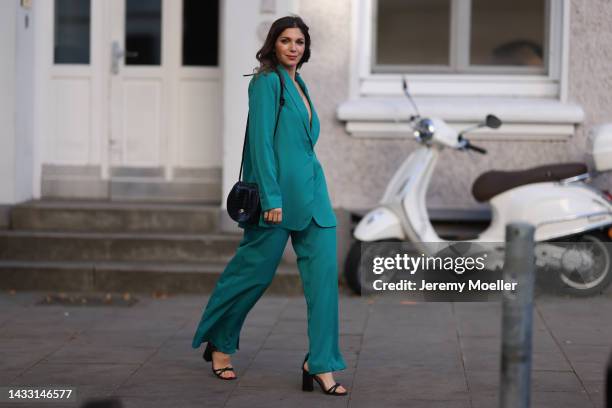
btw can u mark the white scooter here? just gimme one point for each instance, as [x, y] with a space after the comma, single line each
[556, 199]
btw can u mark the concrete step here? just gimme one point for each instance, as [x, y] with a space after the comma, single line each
[108, 216]
[111, 247]
[137, 277]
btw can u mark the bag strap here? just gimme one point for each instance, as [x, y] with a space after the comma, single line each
[280, 106]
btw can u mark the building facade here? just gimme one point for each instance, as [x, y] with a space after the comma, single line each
[146, 99]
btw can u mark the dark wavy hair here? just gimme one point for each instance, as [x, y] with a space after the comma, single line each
[267, 54]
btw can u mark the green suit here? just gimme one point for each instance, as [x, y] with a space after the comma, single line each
[286, 169]
[290, 177]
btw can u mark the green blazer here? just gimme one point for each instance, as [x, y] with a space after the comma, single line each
[285, 168]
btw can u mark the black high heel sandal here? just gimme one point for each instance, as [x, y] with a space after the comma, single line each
[207, 356]
[308, 382]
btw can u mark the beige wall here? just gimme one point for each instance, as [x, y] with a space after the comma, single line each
[590, 68]
[357, 170]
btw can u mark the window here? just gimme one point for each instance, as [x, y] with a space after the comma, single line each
[200, 33]
[71, 31]
[460, 36]
[143, 23]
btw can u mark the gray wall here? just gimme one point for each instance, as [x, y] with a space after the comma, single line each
[7, 100]
[357, 170]
[590, 75]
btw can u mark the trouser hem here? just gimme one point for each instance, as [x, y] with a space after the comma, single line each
[325, 369]
[222, 349]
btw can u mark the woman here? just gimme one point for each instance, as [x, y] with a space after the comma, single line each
[295, 203]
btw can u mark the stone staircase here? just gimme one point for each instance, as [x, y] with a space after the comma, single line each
[120, 247]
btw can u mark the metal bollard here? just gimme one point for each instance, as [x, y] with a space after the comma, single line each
[609, 383]
[517, 317]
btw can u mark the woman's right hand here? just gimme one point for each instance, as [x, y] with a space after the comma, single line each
[274, 216]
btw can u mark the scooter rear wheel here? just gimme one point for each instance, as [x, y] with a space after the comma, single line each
[596, 279]
[354, 279]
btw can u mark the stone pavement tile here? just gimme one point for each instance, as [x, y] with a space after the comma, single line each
[443, 356]
[491, 360]
[487, 399]
[551, 361]
[29, 334]
[275, 397]
[488, 344]
[485, 361]
[176, 380]
[413, 383]
[402, 400]
[118, 339]
[596, 390]
[295, 313]
[267, 320]
[556, 308]
[177, 350]
[555, 381]
[298, 326]
[482, 382]
[479, 327]
[18, 355]
[141, 322]
[216, 399]
[559, 400]
[352, 326]
[276, 366]
[595, 336]
[541, 381]
[7, 375]
[100, 353]
[391, 338]
[286, 341]
[350, 342]
[56, 323]
[590, 371]
[538, 400]
[581, 353]
[542, 341]
[101, 375]
[423, 313]
[252, 338]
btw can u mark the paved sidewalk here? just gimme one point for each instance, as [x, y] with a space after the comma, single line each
[398, 353]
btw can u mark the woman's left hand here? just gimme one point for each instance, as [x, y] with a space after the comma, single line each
[274, 216]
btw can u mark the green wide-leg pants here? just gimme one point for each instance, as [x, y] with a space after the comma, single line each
[250, 272]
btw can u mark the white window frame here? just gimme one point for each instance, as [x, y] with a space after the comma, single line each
[552, 84]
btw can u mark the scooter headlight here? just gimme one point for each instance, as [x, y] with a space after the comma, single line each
[424, 130]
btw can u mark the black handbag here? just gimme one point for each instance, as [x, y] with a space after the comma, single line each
[243, 203]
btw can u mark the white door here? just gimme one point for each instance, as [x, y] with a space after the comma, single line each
[139, 88]
[164, 98]
[130, 108]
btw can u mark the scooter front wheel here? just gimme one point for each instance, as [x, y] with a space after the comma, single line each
[598, 276]
[351, 268]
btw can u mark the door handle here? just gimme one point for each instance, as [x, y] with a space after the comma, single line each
[117, 54]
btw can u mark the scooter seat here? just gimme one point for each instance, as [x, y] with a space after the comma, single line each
[495, 182]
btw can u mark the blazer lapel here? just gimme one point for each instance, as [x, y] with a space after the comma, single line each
[295, 97]
[314, 129]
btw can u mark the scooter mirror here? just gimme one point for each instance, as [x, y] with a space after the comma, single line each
[493, 121]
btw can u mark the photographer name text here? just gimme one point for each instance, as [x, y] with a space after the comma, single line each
[409, 285]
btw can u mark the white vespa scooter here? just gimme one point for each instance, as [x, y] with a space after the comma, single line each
[556, 199]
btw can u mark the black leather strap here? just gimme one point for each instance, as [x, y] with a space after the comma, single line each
[333, 388]
[219, 371]
[280, 106]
